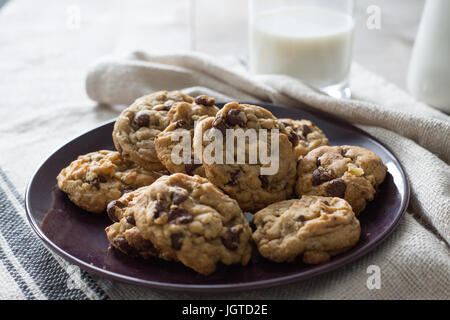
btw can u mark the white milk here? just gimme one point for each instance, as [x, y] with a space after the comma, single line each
[309, 43]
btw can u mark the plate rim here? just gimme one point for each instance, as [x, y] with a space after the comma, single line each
[257, 284]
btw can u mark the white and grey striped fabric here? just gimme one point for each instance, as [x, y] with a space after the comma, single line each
[28, 270]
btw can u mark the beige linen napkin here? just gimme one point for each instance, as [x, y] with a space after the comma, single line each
[414, 261]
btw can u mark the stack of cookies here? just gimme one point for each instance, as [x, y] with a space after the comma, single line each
[192, 211]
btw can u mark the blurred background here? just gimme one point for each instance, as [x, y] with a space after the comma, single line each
[213, 26]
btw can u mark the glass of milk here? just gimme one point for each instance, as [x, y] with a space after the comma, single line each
[310, 40]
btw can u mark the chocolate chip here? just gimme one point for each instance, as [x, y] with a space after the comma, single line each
[301, 218]
[293, 138]
[160, 209]
[147, 245]
[326, 203]
[344, 152]
[142, 119]
[111, 209]
[305, 130]
[233, 177]
[180, 215]
[318, 162]
[95, 183]
[219, 124]
[233, 118]
[205, 100]
[122, 244]
[160, 205]
[180, 123]
[264, 181]
[178, 198]
[336, 188]
[231, 240]
[190, 167]
[184, 219]
[176, 240]
[130, 220]
[319, 176]
[97, 180]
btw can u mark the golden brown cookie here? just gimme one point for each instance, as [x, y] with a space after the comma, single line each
[188, 219]
[348, 172]
[123, 233]
[313, 227]
[304, 136]
[244, 181]
[183, 116]
[138, 125]
[95, 179]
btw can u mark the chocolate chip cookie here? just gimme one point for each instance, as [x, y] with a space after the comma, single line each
[95, 179]
[188, 219]
[183, 117]
[304, 136]
[314, 227]
[348, 172]
[244, 180]
[138, 125]
[123, 233]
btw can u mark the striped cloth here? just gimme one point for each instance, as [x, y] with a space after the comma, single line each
[28, 270]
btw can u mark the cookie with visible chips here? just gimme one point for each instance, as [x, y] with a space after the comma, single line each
[349, 172]
[245, 181]
[304, 136]
[96, 178]
[123, 233]
[188, 219]
[312, 227]
[183, 117]
[138, 125]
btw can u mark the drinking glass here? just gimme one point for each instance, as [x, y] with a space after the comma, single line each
[310, 40]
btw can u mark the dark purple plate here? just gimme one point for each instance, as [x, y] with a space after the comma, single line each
[79, 236]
